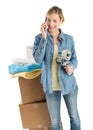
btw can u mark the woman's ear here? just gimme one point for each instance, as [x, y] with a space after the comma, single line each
[62, 21]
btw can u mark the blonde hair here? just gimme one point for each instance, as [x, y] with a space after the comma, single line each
[56, 10]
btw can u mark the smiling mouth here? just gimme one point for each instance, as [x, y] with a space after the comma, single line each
[51, 27]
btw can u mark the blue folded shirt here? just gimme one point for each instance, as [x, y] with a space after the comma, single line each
[13, 68]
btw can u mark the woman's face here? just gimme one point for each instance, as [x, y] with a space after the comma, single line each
[53, 21]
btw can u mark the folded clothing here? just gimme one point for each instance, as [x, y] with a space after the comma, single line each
[28, 75]
[13, 68]
[20, 61]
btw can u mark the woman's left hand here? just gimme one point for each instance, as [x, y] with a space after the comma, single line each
[69, 69]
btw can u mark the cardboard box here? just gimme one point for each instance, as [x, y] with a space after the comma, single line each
[34, 115]
[47, 128]
[31, 90]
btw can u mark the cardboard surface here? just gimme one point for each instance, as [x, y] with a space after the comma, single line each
[31, 90]
[46, 128]
[34, 115]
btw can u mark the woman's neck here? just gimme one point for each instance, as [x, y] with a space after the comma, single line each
[55, 33]
[56, 36]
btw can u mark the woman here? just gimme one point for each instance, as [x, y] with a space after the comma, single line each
[51, 49]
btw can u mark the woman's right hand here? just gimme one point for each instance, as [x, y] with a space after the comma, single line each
[43, 29]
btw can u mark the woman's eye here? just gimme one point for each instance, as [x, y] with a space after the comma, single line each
[49, 20]
[55, 21]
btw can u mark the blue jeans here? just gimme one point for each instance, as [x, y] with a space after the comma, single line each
[54, 102]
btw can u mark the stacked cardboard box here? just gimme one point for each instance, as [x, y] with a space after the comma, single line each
[31, 90]
[34, 115]
[33, 108]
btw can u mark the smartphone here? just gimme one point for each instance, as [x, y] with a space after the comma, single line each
[46, 24]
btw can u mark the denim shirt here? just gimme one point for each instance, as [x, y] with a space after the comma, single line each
[43, 54]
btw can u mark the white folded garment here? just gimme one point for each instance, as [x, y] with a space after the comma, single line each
[22, 61]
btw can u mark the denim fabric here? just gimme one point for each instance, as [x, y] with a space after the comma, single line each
[54, 102]
[43, 53]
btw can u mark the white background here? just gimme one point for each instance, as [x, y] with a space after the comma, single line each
[20, 21]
